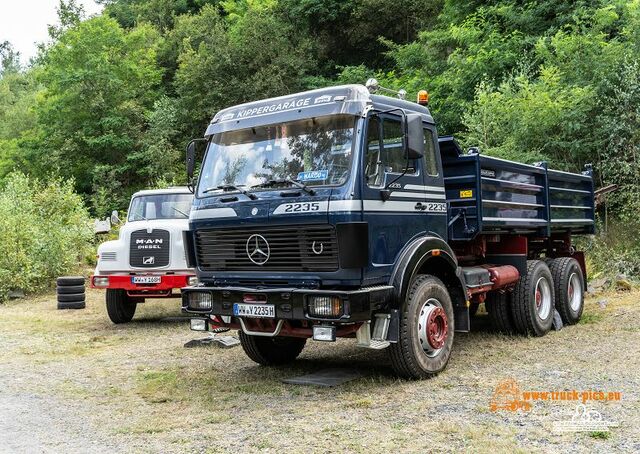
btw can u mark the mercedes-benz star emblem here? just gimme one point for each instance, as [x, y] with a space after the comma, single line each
[258, 249]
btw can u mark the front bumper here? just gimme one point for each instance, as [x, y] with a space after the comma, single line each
[292, 303]
[164, 288]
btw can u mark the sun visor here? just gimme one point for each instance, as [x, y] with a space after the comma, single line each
[348, 99]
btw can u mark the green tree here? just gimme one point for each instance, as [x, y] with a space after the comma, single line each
[100, 81]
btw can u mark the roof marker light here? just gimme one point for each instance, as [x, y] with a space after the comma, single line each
[423, 97]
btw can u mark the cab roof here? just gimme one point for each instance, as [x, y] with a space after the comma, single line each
[172, 190]
[342, 99]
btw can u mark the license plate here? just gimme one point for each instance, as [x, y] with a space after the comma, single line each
[146, 279]
[254, 310]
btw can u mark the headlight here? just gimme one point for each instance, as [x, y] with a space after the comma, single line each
[200, 301]
[100, 281]
[192, 280]
[199, 324]
[324, 333]
[325, 306]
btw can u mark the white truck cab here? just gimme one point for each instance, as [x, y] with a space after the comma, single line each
[148, 259]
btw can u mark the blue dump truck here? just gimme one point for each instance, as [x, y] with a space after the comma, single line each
[339, 212]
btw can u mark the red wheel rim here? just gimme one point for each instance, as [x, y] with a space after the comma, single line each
[437, 328]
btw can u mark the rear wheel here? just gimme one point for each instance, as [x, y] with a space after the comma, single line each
[271, 351]
[532, 302]
[120, 307]
[499, 310]
[569, 288]
[426, 330]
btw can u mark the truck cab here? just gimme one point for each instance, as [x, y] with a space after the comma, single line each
[148, 258]
[328, 214]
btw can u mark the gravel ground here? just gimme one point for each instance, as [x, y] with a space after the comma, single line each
[72, 382]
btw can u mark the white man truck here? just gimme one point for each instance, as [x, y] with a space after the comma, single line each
[148, 258]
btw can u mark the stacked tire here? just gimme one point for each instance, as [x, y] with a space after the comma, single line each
[70, 292]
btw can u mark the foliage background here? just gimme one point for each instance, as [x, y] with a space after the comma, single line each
[45, 230]
[110, 101]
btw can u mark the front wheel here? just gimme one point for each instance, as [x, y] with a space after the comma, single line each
[120, 307]
[271, 351]
[426, 330]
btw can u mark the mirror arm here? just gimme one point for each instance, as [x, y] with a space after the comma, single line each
[385, 193]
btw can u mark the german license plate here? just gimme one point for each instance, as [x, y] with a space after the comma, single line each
[254, 310]
[146, 279]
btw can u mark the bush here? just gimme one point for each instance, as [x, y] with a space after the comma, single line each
[612, 251]
[45, 232]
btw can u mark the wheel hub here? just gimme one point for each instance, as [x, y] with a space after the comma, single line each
[437, 327]
[574, 292]
[543, 298]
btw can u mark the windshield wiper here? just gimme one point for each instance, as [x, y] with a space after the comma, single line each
[290, 181]
[231, 187]
[181, 212]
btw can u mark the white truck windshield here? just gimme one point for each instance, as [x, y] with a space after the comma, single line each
[313, 151]
[160, 206]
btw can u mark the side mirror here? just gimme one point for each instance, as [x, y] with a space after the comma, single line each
[191, 156]
[191, 159]
[414, 136]
[115, 219]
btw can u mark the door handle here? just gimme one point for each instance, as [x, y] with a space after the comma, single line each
[420, 206]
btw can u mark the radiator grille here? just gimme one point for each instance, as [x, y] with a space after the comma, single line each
[110, 256]
[308, 248]
[149, 250]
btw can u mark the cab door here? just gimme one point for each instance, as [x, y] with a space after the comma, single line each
[436, 205]
[402, 217]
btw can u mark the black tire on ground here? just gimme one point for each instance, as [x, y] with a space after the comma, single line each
[428, 304]
[532, 301]
[63, 281]
[271, 351]
[72, 305]
[66, 289]
[120, 308]
[499, 309]
[569, 288]
[71, 298]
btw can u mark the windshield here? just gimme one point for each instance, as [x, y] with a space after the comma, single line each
[314, 151]
[160, 206]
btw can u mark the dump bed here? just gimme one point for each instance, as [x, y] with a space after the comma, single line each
[488, 195]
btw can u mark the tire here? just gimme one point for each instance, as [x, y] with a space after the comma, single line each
[120, 308]
[568, 283]
[271, 351]
[64, 281]
[428, 303]
[532, 302]
[71, 298]
[73, 305]
[66, 289]
[499, 309]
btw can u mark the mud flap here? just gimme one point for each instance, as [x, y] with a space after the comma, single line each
[393, 335]
[462, 319]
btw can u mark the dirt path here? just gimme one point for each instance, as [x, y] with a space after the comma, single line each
[70, 381]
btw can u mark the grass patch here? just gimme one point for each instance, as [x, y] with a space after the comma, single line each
[600, 435]
[590, 318]
[159, 386]
[364, 402]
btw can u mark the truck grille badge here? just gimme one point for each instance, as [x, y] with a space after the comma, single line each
[258, 249]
